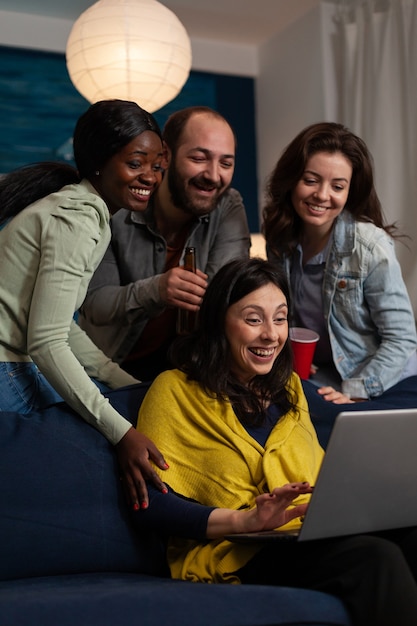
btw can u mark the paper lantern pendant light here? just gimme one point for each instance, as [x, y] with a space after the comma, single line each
[129, 49]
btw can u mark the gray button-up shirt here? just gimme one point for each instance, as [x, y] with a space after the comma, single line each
[124, 292]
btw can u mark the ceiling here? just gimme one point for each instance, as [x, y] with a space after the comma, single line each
[247, 22]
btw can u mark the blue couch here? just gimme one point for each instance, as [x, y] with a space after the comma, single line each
[69, 556]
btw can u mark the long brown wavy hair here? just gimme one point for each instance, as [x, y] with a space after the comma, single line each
[281, 224]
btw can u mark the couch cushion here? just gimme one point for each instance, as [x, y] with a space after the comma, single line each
[62, 508]
[111, 600]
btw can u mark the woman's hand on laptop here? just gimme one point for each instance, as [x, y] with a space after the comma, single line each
[272, 508]
[271, 511]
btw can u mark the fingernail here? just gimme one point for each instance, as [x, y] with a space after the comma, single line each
[136, 507]
[164, 490]
[166, 466]
[144, 505]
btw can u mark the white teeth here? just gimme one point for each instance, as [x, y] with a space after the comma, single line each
[318, 208]
[142, 192]
[262, 351]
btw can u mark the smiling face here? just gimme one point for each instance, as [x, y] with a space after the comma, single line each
[256, 329]
[321, 194]
[130, 177]
[202, 168]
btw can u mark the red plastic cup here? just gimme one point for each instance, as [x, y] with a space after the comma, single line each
[303, 341]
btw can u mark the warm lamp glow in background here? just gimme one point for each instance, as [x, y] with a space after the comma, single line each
[129, 49]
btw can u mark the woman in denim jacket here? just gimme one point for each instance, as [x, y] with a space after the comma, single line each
[323, 223]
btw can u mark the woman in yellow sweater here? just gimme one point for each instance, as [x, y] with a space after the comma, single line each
[232, 421]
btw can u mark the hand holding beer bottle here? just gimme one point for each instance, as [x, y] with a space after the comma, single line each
[186, 320]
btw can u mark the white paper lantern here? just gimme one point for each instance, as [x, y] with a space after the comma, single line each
[129, 49]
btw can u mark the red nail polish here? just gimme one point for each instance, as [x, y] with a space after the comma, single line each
[136, 507]
[144, 505]
[166, 466]
[164, 490]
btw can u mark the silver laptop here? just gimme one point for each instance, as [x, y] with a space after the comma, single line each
[367, 481]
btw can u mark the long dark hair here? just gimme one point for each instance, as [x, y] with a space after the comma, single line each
[204, 355]
[25, 185]
[281, 224]
[100, 133]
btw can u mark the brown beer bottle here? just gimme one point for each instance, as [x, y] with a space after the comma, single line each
[186, 319]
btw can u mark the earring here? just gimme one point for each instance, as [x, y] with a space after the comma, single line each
[97, 172]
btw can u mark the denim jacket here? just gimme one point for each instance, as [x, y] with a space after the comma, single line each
[124, 291]
[366, 307]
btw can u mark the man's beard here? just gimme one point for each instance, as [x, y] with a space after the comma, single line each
[181, 198]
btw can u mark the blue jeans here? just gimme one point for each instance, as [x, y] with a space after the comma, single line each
[24, 389]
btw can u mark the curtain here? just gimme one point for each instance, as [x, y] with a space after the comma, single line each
[377, 42]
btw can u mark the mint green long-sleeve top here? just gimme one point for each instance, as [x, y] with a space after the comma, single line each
[48, 253]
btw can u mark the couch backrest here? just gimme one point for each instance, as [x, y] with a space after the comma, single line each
[62, 509]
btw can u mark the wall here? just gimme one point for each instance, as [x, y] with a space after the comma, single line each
[51, 34]
[294, 85]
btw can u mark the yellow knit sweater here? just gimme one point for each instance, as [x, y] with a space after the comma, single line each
[214, 461]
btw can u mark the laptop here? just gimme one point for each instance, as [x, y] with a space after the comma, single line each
[367, 481]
